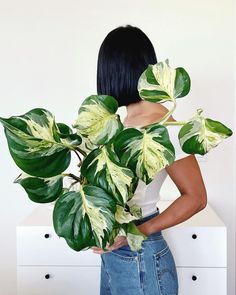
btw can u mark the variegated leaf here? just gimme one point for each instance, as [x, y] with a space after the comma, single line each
[200, 134]
[160, 83]
[130, 230]
[102, 168]
[86, 144]
[41, 190]
[35, 143]
[123, 216]
[115, 231]
[97, 119]
[84, 218]
[135, 210]
[67, 137]
[134, 236]
[146, 152]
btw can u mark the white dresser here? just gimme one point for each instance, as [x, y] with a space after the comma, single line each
[46, 265]
[199, 246]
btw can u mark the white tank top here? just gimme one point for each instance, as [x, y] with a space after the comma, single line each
[146, 196]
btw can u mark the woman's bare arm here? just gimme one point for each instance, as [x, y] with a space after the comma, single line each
[187, 176]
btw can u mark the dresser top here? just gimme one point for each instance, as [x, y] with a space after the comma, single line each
[42, 216]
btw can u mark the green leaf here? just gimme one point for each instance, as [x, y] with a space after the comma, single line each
[35, 143]
[145, 152]
[97, 119]
[84, 218]
[199, 135]
[102, 168]
[160, 83]
[41, 190]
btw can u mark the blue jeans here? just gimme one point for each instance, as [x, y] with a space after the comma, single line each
[149, 271]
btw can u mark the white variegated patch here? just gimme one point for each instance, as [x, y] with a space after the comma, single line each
[123, 216]
[96, 218]
[44, 129]
[165, 76]
[50, 181]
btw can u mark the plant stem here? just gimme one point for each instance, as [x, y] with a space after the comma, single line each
[78, 155]
[81, 151]
[72, 176]
[72, 184]
[175, 123]
[163, 120]
[168, 114]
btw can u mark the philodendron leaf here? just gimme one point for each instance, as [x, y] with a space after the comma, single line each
[65, 132]
[134, 213]
[84, 218]
[200, 134]
[97, 119]
[86, 144]
[136, 210]
[67, 136]
[35, 144]
[123, 216]
[160, 83]
[41, 190]
[145, 152]
[134, 236]
[102, 168]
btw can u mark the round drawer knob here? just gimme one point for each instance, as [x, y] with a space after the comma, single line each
[47, 276]
[46, 236]
[194, 236]
[194, 278]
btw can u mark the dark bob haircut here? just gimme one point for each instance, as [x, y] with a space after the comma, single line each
[123, 56]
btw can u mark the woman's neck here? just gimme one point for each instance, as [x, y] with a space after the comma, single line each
[142, 108]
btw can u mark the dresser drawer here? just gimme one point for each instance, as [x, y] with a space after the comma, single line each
[42, 246]
[58, 280]
[197, 246]
[206, 281]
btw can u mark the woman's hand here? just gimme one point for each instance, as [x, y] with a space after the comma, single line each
[118, 242]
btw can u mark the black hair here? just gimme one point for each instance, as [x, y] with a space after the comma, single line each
[123, 56]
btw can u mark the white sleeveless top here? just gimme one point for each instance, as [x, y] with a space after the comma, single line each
[146, 196]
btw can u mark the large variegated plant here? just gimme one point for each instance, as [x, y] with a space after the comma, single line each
[95, 208]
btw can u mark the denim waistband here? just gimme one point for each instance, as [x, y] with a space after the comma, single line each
[146, 218]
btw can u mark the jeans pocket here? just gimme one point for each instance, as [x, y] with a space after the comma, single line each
[125, 253]
[166, 272]
[123, 273]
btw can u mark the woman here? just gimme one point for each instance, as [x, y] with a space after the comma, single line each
[124, 54]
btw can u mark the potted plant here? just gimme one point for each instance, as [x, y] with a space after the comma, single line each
[94, 208]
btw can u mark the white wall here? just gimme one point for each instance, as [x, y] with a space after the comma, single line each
[48, 55]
